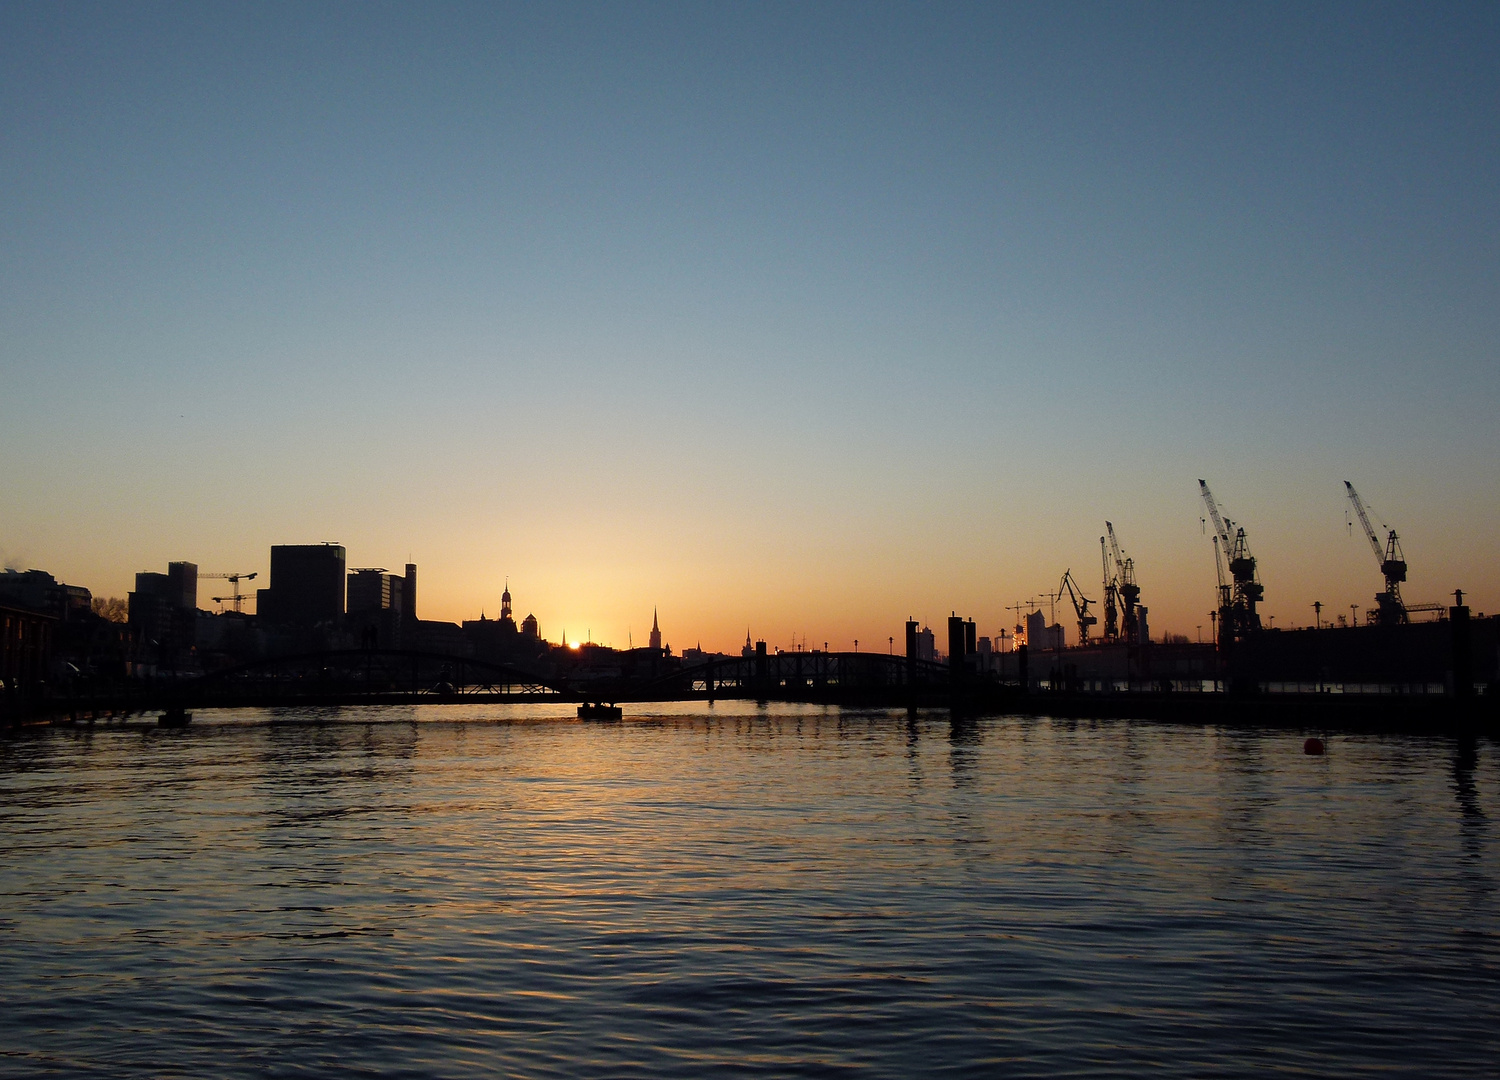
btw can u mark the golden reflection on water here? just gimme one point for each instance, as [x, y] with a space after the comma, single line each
[517, 891]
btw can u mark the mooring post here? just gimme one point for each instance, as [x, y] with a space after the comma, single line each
[1463, 655]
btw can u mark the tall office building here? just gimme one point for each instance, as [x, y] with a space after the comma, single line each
[377, 607]
[307, 585]
[164, 611]
[375, 590]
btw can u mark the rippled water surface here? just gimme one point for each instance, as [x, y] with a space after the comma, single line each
[783, 892]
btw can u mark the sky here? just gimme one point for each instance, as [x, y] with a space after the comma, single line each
[791, 319]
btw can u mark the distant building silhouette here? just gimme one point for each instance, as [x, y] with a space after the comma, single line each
[1041, 636]
[926, 644]
[500, 640]
[655, 633]
[377, 606]
[373, 590]
[38, 590]
[163, 614]
[307, 585]
[26, 641]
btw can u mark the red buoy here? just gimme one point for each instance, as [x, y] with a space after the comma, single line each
[1313, 746]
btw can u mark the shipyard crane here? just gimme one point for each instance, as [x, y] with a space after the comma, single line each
[1080, 606]
[1128, 591]
[1111, 593]
[238, 599]
[1389, 608]
[1225, 592]
[1237, 600]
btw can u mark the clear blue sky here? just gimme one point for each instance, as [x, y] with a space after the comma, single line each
[801, 317]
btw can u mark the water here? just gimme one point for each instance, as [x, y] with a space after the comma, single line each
[452, 892]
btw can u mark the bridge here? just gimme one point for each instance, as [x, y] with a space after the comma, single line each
[381, 676]
[390, 676]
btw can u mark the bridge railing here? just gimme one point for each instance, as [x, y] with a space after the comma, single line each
[802, 672]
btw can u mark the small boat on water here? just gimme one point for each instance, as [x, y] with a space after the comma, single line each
[598, 711]
[174, 717]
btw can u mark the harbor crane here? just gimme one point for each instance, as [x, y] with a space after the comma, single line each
[238, 599]
[1237, 599]
[1080, 606]
[1390, 610]
[1225, 591]
[1119, 572]
[1111, 596]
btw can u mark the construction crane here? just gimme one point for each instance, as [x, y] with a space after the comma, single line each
[238, 599]
[1020, 626]
[1126, 589]
[1237, 599]
[1080, 606]
[1389, 608]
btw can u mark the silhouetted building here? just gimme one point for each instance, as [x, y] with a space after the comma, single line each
[371, 591]
[443, 638]
[926, 644]
[307, 585]
[501, 641]
[163, 615]
[38, 590]
[506, 618]
[227, 638]
[377, 607]
[1143, 632]
[655, 643]
[1041, 636]
[182, 585]
[25, 649]
[697, 655]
